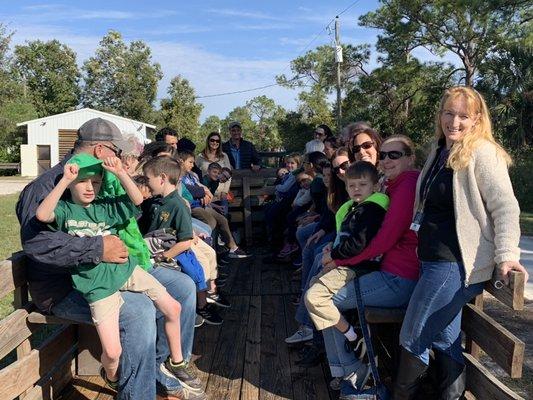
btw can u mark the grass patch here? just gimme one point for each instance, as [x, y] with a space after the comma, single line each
[526, 223]
[10, 234]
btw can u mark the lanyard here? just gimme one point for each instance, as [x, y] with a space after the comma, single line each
[436, 168]
[440, 162]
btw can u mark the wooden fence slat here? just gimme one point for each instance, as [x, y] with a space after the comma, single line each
[12, 273]
[16, 378]
[247, 210]
[500, 344]
[512, 295]
[483, 385]
[50, 385]
[13, 331]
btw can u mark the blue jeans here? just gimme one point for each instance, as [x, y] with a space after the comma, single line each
[378, 289]
[433, 317]
[143, 338]
[138, 358]
[302, 316]
[182, 288]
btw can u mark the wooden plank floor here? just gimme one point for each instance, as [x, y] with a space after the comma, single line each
[246, 358]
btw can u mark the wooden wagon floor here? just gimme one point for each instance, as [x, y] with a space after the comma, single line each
[246, 357]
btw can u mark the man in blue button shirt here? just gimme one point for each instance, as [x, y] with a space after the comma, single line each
[241, 153]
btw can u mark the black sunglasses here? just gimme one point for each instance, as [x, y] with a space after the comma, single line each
[344, 166]
[214, 140]
[116, 150]
[393, 155]
[366, 145]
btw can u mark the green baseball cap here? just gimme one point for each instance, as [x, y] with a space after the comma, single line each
[89, 165]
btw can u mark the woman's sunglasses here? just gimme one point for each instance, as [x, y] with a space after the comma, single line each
[393, 155]
[214, 140]
[366, 145]
[344, 166]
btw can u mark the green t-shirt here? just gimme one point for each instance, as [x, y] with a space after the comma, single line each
[102, 217]
[171, 212]
[129, 232]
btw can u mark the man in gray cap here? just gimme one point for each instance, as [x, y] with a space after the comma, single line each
[51, 253]
[241, 153]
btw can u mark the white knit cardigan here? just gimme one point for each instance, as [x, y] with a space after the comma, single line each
[486, 212]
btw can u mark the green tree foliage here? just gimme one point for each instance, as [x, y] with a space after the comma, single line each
[266, 114]
[181, 111]
[294, 132]
[316, 71]
[470, 29]
[11, 137]
[400, 98]
[14, 107]
[50, 74]
[122, 79]
[315, 108]
[211, 124]
[243, 115]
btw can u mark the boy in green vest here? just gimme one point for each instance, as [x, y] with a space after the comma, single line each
[83, 213]
[358, 228]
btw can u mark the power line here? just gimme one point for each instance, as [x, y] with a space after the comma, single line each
[321, 32]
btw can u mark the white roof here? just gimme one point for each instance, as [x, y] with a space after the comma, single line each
[103, 114]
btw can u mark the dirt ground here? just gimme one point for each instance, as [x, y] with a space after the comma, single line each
[520, 323]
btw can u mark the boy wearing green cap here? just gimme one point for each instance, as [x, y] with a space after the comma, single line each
[84, 214]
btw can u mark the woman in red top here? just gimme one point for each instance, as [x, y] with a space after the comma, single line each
[393, 284]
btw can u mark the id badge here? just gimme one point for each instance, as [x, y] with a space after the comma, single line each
[417, 220]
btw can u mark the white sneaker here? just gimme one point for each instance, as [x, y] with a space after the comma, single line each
[358, 378]
[301, 335]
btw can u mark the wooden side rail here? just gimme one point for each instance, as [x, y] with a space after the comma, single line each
[42, 371]
[249, 189]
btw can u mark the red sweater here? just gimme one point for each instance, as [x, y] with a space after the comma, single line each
[395, 240]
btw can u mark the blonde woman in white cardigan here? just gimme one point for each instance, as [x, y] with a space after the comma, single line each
[467, 219]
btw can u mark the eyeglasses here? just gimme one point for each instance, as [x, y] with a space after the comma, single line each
[393, 155]
[214, 140]
[366, 145]
[114, 149]
[344, 166]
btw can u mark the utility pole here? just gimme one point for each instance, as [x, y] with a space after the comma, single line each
[338, 60]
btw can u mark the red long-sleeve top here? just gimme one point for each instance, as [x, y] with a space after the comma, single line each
[395, 241]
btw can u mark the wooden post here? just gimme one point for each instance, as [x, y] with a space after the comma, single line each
[247, 209]
[23, 349]
[470, 345]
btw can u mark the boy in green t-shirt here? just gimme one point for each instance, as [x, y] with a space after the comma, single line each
[83, 214]
[169, 211]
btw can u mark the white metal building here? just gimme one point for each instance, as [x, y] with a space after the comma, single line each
[48, 139]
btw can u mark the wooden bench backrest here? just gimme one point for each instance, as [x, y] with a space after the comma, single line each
[37, 372]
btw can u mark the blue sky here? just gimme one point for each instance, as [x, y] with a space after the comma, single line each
[219, 46]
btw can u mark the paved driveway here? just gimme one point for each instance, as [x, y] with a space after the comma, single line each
[11, 185]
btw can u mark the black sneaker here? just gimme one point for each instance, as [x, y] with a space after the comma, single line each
[183, 374]
[210, 315]
[113, 385]
[238, 253]
[198, 321]
[218, 299]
